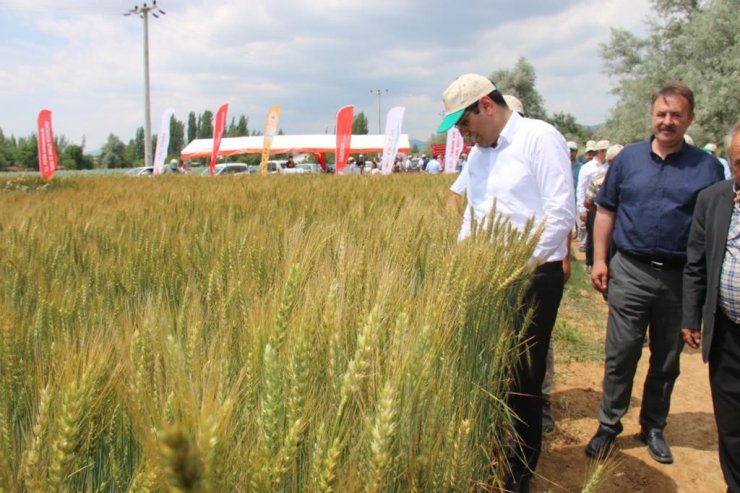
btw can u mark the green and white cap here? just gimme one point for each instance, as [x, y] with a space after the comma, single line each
[466, 90]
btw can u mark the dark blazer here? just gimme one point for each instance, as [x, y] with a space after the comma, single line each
[705, 254]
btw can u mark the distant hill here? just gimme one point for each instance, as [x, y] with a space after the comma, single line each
[421, 144]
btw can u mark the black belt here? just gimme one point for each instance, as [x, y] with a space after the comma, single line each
[657, 263]
[549, 267]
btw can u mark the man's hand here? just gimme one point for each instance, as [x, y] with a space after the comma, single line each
[692, 337]
[566, 266]
[600, 276]
[582, 216]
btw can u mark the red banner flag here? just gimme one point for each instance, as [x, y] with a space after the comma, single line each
[344, 137]
[218, 132]
[47, 152]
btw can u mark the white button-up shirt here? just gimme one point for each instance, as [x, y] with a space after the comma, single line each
[528, 173]
[588, 172]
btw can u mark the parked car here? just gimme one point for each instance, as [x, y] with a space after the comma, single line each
[310, 167]
[141, 171]
[227, 169]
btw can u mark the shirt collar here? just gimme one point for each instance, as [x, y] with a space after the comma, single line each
[670, 156]
[510, 129]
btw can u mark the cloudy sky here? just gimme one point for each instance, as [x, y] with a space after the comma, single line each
[84, 60]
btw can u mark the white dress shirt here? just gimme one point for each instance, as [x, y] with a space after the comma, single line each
[528, 173]
[585, 177]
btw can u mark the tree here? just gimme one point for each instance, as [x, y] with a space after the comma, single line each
[177, 134]
[241, 127]
[359, 124]
[691, 40]
[73, 157]
[113, 153]
[192, 127]
[567, 125]
[135, 149]
[520, 82]
[205, 125]
[27, 152]
[6, 151]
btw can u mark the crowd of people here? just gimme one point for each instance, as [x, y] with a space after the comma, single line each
[659, 223]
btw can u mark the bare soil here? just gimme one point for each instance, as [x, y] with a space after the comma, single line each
[691, 430]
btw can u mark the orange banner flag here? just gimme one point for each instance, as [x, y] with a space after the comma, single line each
[271, 125]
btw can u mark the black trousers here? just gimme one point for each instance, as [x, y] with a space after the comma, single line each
[724, 380]
[590, 218]
[525, 398]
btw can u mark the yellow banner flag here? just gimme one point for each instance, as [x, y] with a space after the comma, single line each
[271, 125]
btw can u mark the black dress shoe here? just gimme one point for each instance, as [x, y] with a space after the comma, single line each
[657, 446]
[601, 444]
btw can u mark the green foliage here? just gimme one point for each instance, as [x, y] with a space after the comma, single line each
[205, 125]
[113, 154]
[135, 150]
[567, 125]
[73, 157]
[192, 126]
[520, 82]
[359, 124]
[177, 137]
[697, 42]
[27, 152]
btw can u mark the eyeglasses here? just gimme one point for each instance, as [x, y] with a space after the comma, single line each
[462, 122]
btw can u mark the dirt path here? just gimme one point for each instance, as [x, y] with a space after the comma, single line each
[691, 432]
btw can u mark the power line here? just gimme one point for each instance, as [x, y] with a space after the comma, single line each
[379, 92]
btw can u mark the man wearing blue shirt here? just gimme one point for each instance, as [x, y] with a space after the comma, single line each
[645, 207]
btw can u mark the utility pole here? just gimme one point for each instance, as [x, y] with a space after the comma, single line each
[379, 92]
[143, 12]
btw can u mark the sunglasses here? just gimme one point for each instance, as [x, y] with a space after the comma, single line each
[462, 122]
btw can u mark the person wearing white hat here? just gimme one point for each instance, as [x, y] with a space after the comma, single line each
[531, 180]
[514, 104]
[644, 209]
[588, 152]
[711, 148]
[588, 170]
[456, 201]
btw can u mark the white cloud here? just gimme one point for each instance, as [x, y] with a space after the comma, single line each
[86, 63]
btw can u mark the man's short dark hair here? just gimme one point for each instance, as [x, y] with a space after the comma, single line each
[672, 88]
[495, 96]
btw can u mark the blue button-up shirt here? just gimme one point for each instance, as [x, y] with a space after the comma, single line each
[654, 198]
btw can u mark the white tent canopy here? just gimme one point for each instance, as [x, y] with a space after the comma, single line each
[288, 144]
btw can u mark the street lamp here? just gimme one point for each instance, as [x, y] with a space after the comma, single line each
[379, 92]
[143, 12]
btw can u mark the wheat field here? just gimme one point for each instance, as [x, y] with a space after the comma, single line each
[280, 333]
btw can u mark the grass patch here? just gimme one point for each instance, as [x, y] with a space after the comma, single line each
[581, 325]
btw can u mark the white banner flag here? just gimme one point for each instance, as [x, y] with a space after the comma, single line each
[453, 149]
[163, 141]
[393, 123]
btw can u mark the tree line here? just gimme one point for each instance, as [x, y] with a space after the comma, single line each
[692, 40]
[22, 152]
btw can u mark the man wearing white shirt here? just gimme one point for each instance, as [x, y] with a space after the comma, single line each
[588, 171]
[433, 166]
[523, 165]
